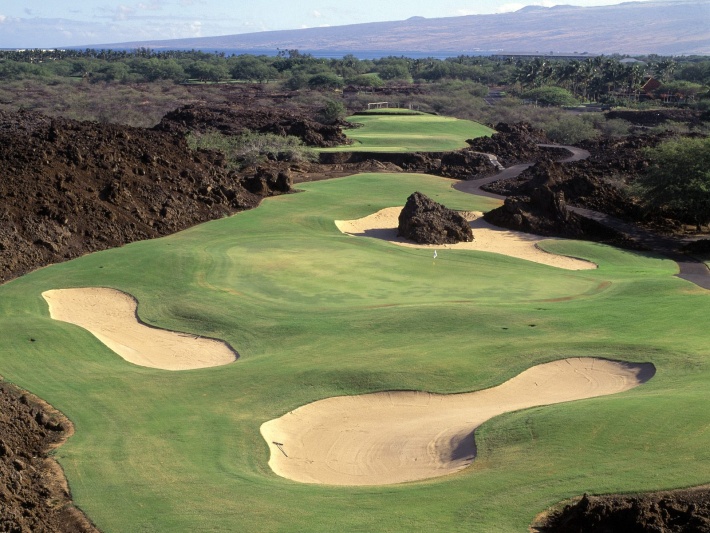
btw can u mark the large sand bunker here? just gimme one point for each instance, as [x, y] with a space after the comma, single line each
[487, 238]
[111, 316]
[393, 437]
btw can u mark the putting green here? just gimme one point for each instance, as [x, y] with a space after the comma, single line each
[410, 133]
[314, 314]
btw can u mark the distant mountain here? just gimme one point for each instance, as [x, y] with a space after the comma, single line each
[665, 28]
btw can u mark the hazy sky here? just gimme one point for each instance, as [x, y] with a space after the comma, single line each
[56, 23]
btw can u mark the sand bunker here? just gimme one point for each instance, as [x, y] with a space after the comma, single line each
[487, 238]
[111, 316]
[392, 437]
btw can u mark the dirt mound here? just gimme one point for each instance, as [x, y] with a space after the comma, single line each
[77, 187]
[682, 511]
[33, 493]
[233, 119]
[425, 221]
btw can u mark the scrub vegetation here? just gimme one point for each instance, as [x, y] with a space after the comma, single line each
[138, 87]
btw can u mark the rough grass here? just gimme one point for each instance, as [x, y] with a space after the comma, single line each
[407, 132]
[315, 313]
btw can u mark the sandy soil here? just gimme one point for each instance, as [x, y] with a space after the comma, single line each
[393, 437]
[486, 238]
[111, 316]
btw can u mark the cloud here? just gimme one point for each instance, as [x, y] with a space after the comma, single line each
[317, 14]
[3, 18]
[196, 28]
[123, 12]
[154, 5]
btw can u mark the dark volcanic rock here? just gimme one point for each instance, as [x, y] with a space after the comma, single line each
[231, 119]
[465, 164]
[604, 182]
[541, 208]
[69, 188]
[682, 511]
[512, 143]
[33, 492]
[657, 117]
[425, 221]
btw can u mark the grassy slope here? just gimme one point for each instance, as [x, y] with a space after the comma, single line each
[410, 133]
[315, 313]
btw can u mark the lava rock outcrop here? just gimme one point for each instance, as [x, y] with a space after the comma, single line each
[512, 143]
[682, 511]
[540, 207]
[33, 492]
[68, 188]
[233, 119]
[425, 221]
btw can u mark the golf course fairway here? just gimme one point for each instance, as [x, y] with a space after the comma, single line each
[315, 314]
[404, 132]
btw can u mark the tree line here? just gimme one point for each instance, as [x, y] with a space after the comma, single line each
[605, 79]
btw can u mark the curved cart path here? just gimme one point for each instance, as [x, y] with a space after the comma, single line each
[690, 269]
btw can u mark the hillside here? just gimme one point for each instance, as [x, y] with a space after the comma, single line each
[665, 28]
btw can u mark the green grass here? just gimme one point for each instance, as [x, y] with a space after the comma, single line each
[315, 313]
[390, 111]
[407, 132]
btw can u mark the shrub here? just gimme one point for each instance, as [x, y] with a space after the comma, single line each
[325, 80]
[333, 111]
[366, 80]
[554, 96]
[570, 129]
[678, 179]
[252, 148]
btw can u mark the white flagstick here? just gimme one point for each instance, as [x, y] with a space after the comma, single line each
[434, 254]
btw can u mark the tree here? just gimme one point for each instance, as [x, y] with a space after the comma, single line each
[393, 69]
[678, 179]
[366, 80]
[154, 69]
[325, 80]
[547, 95]
[333, 111]
[251, 68]
[570, 129]
[206, 71]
